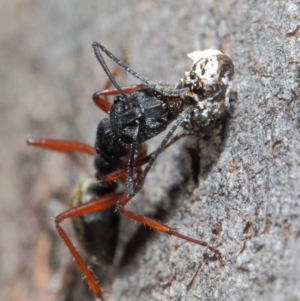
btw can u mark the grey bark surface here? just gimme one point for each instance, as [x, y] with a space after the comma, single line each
[247, 200]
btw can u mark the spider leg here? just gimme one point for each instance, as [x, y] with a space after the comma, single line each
[65, 146]
[161, 227]
[86, 208]
[141, 159]
[102, 100]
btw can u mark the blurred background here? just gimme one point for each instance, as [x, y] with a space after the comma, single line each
[48, 74]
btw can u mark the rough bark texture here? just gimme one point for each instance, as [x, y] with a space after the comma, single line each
[246, 201]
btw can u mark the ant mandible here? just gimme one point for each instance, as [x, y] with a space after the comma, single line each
[138, 113]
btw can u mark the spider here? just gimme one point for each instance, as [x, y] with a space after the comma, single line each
[138, 113]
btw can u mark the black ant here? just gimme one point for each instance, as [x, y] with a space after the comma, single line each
[139, 113]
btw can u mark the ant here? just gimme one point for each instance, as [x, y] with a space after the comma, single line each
[138, 113]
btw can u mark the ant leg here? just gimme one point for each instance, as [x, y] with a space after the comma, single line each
[65, 146]
[161, 227]
[140, 160]
[86, 208]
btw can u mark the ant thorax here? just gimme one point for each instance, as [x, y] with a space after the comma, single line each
[209, 83]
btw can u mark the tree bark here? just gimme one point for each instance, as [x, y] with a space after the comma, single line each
[244, 199]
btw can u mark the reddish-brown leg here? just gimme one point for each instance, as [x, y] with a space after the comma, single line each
[65, 146]
[90, 207]
[139, 161]
[161, 227]
[101, 102]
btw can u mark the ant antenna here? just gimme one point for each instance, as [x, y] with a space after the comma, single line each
[158, 88]
[106, 70]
